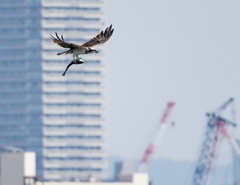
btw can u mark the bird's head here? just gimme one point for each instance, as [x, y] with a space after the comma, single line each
[92, 50]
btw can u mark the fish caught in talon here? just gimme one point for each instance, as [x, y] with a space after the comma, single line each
[77, 61]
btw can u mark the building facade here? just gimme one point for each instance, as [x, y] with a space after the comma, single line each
[60, 118]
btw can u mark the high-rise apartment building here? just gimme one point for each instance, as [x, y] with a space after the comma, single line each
[60, 118]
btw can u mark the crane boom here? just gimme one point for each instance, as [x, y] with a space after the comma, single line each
[157, 137]
[232, 141]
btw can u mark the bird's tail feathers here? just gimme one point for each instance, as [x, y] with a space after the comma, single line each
[62, 53]
[66, 52]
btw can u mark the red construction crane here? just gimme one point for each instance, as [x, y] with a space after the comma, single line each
[216, 131]
[157, 138]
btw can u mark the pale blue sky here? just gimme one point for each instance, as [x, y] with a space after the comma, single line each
[175, 50]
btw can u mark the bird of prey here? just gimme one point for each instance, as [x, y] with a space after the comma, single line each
[86, 48]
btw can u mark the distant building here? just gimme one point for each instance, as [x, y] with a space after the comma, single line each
[138, 179]
[236, 167]
[19, 168]
[16, 166]
[124, 171]
[60, 118]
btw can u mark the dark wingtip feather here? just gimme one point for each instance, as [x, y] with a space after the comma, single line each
[57, 36]
[62, 38]
[106, 30]
[105, 33]
[52, 37]
[110, 27]
[111, 32]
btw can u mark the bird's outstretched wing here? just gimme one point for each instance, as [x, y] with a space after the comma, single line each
[100, 38]
[62, 43]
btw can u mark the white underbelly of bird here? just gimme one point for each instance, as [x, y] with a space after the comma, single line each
[79, 51]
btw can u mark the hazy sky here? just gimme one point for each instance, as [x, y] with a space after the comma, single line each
[184, 51]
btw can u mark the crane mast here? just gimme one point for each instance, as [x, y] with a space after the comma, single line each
[157, 138]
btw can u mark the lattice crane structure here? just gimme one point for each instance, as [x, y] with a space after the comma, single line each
[216, 131]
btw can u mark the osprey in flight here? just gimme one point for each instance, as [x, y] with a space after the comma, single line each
[86, 48]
